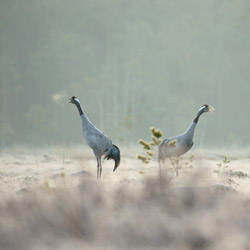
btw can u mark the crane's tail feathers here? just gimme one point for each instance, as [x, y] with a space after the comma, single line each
[114, 153]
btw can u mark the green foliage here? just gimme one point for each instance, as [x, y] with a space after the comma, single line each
[176, 165]
[149, 146]
[156, 132]
[222, 166]
[144, 159]
[172, 144]
[189, 162]
[144, 144]
[238, 174]
[149, 153]
[156, 135]
[226, 160]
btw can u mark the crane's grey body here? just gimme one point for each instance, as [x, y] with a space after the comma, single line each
[183, 142]
[97, 140]
[94, 138]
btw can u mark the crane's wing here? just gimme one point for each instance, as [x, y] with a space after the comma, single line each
[98, 141]
[165, 147]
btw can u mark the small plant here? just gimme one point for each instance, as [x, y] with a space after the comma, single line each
[156, 134]
[222, 166]
[172, 144]
[149, 146]
[46, 185]
[144, 159]
[63, 152]
[238, 174]
[144, 144]
[188, 163]
[175, 162]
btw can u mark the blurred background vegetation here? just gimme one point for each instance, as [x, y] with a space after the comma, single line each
[132, 63]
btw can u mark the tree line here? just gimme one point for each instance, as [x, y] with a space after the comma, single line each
[133, 65]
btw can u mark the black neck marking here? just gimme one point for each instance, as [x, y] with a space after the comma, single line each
[79, 108]
[198, 116]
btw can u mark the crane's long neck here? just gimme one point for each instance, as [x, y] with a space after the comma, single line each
[190, 131]
[85, 120]
[196, 119]
[78, 105]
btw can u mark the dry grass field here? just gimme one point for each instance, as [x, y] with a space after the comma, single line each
[51, 199]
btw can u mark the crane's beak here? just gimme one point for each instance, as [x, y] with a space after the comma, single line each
[69, 101]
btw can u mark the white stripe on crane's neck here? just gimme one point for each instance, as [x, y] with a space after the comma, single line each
[76, 99]
[201, 108]
[78, 105]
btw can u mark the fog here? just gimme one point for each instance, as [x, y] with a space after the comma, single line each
[132, 64]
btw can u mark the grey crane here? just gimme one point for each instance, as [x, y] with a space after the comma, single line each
[97, 140]
[178, 145]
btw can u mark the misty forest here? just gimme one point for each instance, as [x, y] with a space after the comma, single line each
[133, 65]
[143, 72]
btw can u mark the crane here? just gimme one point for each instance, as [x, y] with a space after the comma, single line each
[97, 140]
[178, 145]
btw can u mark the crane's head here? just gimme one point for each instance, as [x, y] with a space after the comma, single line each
[73, 100]
[206, 108]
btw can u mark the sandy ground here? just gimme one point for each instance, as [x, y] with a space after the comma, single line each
[51, 199]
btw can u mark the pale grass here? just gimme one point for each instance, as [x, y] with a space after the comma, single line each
[51, 201]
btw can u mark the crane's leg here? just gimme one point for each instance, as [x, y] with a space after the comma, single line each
[177, 166]
[100, 164]
[160, 174]
[160, 166]
[99, 167]
[172, 162]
